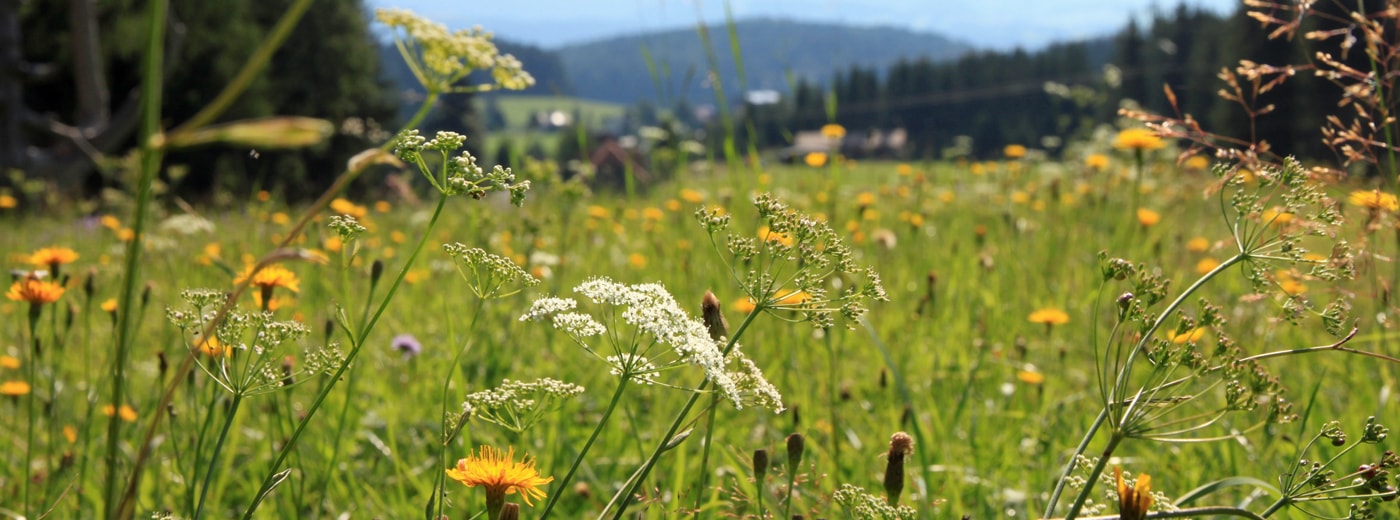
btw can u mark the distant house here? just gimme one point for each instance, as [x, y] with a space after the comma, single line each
[611, 161]
[858, 144]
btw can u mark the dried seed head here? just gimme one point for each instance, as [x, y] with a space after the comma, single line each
[713, 315]
[901, 445]
[796, 444]
[760, 464]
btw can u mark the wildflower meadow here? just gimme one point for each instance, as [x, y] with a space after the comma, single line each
[1157, 322]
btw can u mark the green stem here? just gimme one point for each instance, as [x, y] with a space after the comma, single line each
[1069, 467]
[441, 484]
[32, 373]
[705, 457]
[271, 478]
[628, 489]
[1093, 477]
[214, 458]
[578, 460]
[151, 81]
[1190, 512]
[251, 68]
[832, 402]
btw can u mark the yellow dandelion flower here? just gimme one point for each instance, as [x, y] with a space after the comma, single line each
[1134, 502]
[9, 362]
[382, 206]
[51, 256]
[500, 474]
[865, 199]
[109, 305]
[792, 298]
[333, 244]
[1197, 162]
[692, 196]
[764, 233]
[126, 234]
[1276, 216]
[1014, 151]
[637, 260]
[833, 131]
[8, 201]
[1096, 161]
[815, 159]
[269, 277]
[212, 347]
[70, 433]
[1197, 245]
[110, 222]
[1138, 139]
[673, 205]
[1049, 316]
[977, 169]
[35, 291]
[904, 170]
[397, 236]
[1292, 287]
[1245, 174]
[1374, 199]
[281, 218]
[652, 214]
[14, 388]
[1190, 336]
[1020, 197]
[598, 212]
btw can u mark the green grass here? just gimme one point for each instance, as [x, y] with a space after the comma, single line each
[944, 357]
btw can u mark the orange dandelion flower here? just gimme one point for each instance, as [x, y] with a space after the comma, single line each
[1197, 245]
[1049, 316]
[70, 433]
[1276, 216]
[815, 159]
[1030, 377]
[1133, 502]
[598, 212]
[745, 305]
[637, 260]
[14, 388]
[345, 207]
[51, 256]
[1138, 139]
[8, 201]
[1206, 265]
[213, 348]
[9, 362]
[764, 233]
[110, 222]
[1147, 217]
[109, 305]
[35, 291]
[500, 474]
[1014, 151]
[271, 276]
[126, 413]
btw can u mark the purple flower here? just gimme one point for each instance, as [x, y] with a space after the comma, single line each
[407, 344]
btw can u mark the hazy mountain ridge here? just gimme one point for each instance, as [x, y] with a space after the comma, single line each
[615, 69]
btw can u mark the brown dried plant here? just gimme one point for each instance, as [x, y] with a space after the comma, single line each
[1361, 131]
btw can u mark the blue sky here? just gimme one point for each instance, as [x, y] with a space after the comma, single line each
[999, 24]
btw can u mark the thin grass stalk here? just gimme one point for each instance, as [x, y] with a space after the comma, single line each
[144, 450]
[578, 460]
[441, 483]
[619, 499]
[214, 457]
[705, 458]
[31, 373]
[1115, 437]
[151, 95]
[271, 479]
[1069, 466]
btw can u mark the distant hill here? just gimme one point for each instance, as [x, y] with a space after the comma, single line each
[615, 69]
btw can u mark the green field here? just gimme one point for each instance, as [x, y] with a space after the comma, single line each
[967, 253]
